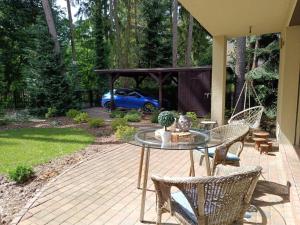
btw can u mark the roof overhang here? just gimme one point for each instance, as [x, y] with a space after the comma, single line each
[234, 18]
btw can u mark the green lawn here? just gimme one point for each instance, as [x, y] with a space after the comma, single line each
[33, 146]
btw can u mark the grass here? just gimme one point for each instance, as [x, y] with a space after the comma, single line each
[33, 146]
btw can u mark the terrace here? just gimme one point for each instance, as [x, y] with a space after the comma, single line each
[103, 190]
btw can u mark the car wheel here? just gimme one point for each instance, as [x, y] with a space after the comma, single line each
[148, 107]
[107, 105]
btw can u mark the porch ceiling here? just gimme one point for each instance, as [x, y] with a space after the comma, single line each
[234, 17]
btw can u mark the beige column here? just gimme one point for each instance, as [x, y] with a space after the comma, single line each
[288, 88]
[218, 86]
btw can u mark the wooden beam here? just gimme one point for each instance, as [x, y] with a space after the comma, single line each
[154, 76]
[111, 88]
[160, 90]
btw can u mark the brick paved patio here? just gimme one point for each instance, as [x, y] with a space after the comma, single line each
[103, 189]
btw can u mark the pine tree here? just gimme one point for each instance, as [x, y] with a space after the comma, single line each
[156, 50]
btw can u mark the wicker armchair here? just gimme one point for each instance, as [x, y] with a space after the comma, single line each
[207, 200]
[234, 136]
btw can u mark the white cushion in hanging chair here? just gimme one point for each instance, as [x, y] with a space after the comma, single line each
[250, 116]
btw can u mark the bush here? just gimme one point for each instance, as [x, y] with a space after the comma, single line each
[117, 114]
[118, 122]
[95, 123]
[41, 111]
[81, 118]
[3, 121]
[125, 133]
[134, 111]
[51, 112]
[193, 117]
[18, 116]
[21, 174]
[133, 117]
[154, 116]
[72, 113]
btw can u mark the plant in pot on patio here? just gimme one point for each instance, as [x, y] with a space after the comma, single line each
[166, 119]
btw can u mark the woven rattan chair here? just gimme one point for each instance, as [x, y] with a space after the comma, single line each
[207, 200]
[234, 136]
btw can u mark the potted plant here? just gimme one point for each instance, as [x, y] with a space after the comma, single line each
[166, 119]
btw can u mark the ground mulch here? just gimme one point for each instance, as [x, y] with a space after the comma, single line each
[13, 197]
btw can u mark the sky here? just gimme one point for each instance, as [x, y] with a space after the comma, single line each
[63, 5]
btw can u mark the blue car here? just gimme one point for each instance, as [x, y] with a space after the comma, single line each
[130, 99]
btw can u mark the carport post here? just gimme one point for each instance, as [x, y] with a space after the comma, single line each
[111, 87]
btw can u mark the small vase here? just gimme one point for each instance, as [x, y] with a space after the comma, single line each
[184, 123]
[166, 137]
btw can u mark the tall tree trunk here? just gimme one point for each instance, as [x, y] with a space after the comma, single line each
[240, 68]
[118, 34]
[255, 58]
[137, 42]
[72, 35]
[51, 25]
[174, 32]
[189, 44]
[127, 34]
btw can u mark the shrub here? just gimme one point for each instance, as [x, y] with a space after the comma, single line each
[166, 118]
[193, 117]
[117, 114]
[72, 113]
[81, 118]
[21, 174]
[95, 123]
[134, 111]
[51, 112]
[41, 111]
[133, 117]
[3, 121]
[118, 122]
[18, 116]
[154, 116]
[125, 133]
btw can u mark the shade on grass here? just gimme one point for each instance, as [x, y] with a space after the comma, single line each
[33, 146]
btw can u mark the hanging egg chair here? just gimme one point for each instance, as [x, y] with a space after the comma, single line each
[250, 115]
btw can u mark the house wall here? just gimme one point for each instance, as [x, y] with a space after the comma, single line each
[288, 89]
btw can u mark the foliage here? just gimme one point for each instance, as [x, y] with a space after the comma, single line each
[118, 122]
[166, 118]
[4, 121]
[117, 113]
[133, 117]
[96, 122]
[193, 117]
[72, 113]
[156, 48]
[154, 116]
[81, 118]
[21, 174]
[18, 116]
[125, 133]
[33, 146]
[51, 112]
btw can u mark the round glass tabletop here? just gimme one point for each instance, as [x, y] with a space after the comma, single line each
[197, 139]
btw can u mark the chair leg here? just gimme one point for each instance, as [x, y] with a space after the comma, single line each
[201, 159]
[159, 214]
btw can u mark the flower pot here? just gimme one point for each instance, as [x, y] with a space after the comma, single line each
[165, 137]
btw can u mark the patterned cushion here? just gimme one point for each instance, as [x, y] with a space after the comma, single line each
[229, 156]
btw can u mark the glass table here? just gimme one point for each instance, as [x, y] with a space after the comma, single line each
[147, 140]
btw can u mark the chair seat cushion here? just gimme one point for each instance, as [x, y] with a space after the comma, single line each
[229, 156]
[181, 202]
